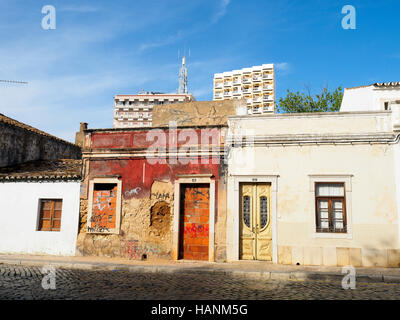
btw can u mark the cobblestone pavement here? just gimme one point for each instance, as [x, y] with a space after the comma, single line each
[21, 282]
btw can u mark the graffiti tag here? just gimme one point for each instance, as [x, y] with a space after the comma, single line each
[132, 192]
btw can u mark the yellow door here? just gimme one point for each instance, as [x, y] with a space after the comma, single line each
[255, 231]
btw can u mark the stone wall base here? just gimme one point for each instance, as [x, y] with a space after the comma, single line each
[339, 256]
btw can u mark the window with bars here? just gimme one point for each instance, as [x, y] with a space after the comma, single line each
[50, 211]
[330, 207]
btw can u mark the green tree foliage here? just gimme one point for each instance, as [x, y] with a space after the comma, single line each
[326, 101]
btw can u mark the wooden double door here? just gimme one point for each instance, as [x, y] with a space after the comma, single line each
[255, 221]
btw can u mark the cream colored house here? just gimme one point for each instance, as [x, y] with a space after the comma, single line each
[315, 188]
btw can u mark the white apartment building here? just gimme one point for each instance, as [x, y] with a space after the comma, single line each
[131, 111]
[374, 97]
[256, 85]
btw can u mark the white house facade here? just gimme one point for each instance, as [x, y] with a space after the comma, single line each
[375, 97]
[40, 207]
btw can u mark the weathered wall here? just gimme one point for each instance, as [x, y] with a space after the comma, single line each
[145, 228]
[18, 145]
[195, 113]
[147, 197]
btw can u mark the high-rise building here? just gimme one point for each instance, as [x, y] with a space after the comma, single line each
[136, 110]
[256, 85]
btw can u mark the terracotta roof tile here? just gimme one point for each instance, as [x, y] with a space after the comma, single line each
[387, 84]
[63, 169]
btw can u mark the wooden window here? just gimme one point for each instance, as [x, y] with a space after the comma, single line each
[330, 207]
[50, 215]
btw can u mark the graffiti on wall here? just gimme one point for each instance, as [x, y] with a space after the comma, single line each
[193, 230]
[160, 195]
[133, 249]
[103, 217]
[133, 192]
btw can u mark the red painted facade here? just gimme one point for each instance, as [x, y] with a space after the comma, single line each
[122, 153]
[136, 172]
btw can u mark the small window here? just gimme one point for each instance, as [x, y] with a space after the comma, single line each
[387, 106]
[50, 215]
[330, 207]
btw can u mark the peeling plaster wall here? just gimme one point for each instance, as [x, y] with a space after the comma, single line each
[147, 190]
[18, 145]
[139, 234]
[196, 113]
[144, 229]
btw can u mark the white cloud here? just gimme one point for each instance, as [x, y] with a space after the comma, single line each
[222, 10]
[179, 35]
[283, 68]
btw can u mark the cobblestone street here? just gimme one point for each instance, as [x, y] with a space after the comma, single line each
[19, 282]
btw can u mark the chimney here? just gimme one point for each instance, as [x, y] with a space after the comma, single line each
[80, 136]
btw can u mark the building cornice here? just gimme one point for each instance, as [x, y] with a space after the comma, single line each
[311, 139]
[311, 115]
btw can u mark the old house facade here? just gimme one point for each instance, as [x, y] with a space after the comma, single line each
[40, 205]
[39, 190]
[315, 189]
[152, 193]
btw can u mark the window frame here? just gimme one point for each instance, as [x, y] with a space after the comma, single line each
[92, 182]
[330, 178]
[330, 200]
[52, 211]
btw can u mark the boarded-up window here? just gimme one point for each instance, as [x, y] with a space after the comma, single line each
[103, 217]
[50, 215]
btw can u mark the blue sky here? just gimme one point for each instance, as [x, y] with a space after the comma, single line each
[102, 48]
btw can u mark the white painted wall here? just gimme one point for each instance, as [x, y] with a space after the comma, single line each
[19, 213]
[368, 98]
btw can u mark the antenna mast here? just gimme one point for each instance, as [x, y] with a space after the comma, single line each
[183, 77]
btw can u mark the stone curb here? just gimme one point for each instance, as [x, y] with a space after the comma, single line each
[265, 275]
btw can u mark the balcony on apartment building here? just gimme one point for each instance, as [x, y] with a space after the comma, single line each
[268, 97]
[256, 99]
[227, 93]
[237, 92]
[247, 90]
[267, 76]
[219, 84]
[227, 83]
[237, 81]
[218, 94]
[256, 109]
[268, 108]
[257, 78]
[246, 80]
[257, 89]
[267, 87]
